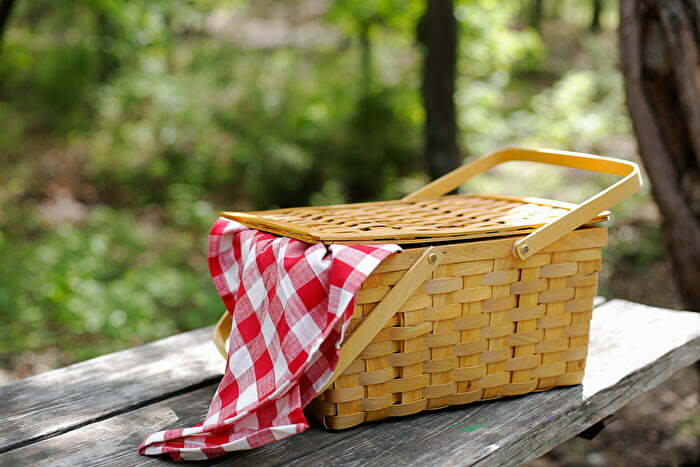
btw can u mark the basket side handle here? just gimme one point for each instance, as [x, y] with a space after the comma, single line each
[545, 235]
[221, 332]
[380, 315]
[372, 324]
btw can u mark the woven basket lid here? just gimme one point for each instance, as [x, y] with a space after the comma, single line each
[446, 218]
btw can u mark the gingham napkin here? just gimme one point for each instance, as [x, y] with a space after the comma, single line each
[291, 302]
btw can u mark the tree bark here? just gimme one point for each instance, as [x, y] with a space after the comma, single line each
[5, 11]
[536, 13]
[659, 54]
[595, 16]
[365, 55]
[106, 29]
[437, 32]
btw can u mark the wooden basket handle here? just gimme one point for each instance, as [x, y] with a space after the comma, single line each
[580, 215]
[221, 333]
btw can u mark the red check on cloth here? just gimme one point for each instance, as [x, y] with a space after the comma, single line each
[290, 303]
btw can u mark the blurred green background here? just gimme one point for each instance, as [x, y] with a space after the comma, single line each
[126, 126]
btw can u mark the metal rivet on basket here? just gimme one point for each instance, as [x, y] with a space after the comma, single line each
[432, 258]
[525, 249]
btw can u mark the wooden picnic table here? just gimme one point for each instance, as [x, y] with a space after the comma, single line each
[98, 411]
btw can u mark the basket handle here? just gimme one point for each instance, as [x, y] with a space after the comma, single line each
[580, 215]
[221, 333]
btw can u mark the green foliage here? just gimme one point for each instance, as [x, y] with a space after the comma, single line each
[400, 15]
[126, 126]
[634, 244]
[112, 282]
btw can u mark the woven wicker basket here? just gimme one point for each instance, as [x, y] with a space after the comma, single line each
[495, 300]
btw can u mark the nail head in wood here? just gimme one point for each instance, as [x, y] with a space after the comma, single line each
[525, 249]
[432, 258]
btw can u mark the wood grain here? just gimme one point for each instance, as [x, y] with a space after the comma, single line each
[60, 400]
[633, 349]
[114, 441]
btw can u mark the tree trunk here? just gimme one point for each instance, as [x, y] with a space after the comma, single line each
[659, 53]
[437, 32]
[595, 16]
[365, 55]
[5, 11]
[106, 29]
[536, 12]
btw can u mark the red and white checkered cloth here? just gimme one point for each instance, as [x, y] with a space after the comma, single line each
[291, 303]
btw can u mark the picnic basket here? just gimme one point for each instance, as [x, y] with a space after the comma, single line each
[491, 297]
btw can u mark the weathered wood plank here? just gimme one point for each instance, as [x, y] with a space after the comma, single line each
[114, 441]
[633, 348]
[60, 400]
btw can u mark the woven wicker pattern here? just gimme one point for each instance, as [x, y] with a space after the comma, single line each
[445, 218]
[485, 325]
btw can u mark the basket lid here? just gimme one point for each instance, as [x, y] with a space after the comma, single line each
[446, 218]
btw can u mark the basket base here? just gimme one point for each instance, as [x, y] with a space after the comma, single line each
[339, 423]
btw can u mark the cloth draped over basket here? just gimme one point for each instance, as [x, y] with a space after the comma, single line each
[290, 303]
